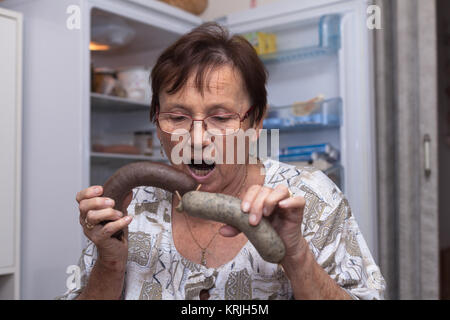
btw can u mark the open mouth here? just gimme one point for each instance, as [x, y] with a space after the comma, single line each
[202, 169]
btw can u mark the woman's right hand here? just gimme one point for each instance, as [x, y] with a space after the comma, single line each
[112, 253]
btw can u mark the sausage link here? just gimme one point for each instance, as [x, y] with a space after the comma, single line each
[145, 173]
[227, 209]
[205, 205]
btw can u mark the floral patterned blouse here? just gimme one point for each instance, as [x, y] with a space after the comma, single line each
[155, 269]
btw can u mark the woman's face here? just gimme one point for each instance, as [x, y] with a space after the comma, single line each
[223, 93]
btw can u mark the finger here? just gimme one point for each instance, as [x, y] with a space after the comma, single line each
[279, 193]
[91, 232]
[292, 203]
[112, 227]
[93, 191]
[249, 196]
[94, 204]
[257, 206]
[94, 217]
[229, 231]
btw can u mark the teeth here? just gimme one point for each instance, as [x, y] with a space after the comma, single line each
[204, 162]
[201, 171]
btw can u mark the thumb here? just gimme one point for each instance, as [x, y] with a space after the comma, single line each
[229, 231]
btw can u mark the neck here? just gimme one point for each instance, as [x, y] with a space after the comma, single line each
[239, 182]
[246, 176]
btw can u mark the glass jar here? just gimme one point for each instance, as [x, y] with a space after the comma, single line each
[143, 140]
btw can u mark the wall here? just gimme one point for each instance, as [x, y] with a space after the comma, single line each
[220, 8]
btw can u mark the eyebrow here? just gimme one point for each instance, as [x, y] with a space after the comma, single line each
[209, 108]
[219, 106]
[177, 106]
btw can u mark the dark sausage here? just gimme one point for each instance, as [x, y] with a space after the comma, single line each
[205, 205]
[145, 173]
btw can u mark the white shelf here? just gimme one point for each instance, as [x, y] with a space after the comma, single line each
[105, 103]
[131, 157]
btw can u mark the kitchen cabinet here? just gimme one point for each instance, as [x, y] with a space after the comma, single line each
[10, 144]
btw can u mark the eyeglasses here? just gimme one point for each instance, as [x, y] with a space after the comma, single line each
[217, 124]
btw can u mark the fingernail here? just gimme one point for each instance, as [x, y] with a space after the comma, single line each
[109, 202]
[265, 211]
[128, 218]
[245, 206]
[97, 190]
[283, 203]
[252, 218]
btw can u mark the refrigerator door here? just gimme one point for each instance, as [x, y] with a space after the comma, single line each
[323, 52]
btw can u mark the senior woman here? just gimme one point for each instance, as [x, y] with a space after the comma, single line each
[208, 81]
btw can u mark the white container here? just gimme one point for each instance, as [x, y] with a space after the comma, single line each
[136, 82]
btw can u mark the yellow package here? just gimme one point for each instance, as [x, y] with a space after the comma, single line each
[271, 44]
[253, 38]
[262, 43]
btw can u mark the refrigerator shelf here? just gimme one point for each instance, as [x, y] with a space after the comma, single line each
[324, 115]
[129, 157]
[105, 103]
[328, 45]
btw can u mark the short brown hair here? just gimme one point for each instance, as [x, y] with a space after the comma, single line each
[204, 48]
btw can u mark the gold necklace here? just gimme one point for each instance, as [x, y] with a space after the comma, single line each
[203, 250]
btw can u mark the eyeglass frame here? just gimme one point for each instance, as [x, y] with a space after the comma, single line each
[246, 115]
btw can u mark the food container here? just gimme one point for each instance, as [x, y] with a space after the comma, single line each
[196, 7]
[143, 140]
[136, 82]
[104, 80]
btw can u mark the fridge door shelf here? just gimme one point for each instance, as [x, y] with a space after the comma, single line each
[297, 54]
[310, 153]
[329, 43]
[325, 115]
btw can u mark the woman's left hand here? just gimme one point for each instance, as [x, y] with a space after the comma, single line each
[283, 211]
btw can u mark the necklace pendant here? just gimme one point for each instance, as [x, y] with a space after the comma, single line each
[203, 258]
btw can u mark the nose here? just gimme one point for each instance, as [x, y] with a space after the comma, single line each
[197, 132]
[198, 138]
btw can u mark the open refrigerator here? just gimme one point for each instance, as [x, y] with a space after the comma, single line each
[70, 130]
[319, 90]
